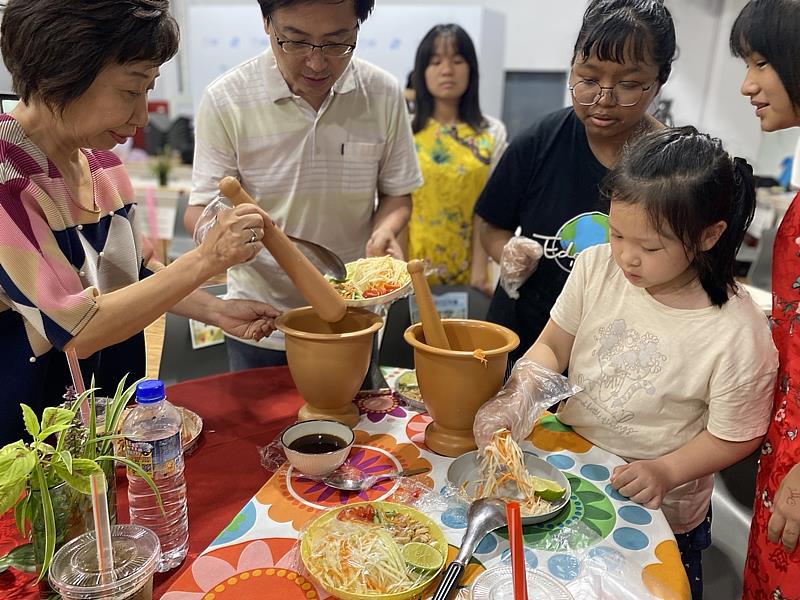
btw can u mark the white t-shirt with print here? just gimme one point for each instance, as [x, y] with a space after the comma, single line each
[654, 377]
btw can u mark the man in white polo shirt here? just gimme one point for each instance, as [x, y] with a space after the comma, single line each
[315, 136]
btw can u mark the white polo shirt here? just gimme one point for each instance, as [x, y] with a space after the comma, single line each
[317, 173]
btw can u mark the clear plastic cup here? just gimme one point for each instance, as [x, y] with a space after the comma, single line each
[74, 572]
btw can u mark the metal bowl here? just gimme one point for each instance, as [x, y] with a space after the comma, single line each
[466, 471]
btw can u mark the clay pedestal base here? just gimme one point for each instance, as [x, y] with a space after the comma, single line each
[449, 442]
[345, 414]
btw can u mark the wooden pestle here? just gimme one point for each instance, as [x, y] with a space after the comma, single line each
[431, 323]
[327, 302]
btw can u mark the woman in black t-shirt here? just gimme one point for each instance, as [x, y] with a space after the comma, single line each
[547, 181]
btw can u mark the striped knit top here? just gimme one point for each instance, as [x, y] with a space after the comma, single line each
[56, 256]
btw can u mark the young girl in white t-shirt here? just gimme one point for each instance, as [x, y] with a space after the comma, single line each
[675, 360]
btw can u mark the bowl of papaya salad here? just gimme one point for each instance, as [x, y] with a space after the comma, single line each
[372, 281]
[373, 550]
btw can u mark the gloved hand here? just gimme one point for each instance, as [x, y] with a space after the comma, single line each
[530, 390]
[208, 218]
[519, 259]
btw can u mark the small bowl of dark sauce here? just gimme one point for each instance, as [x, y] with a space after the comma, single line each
[318, 447]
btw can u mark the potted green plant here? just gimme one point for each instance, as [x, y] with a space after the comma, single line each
[48, 484]
[162, 165]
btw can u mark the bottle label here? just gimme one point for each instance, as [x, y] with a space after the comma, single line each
[157, 458]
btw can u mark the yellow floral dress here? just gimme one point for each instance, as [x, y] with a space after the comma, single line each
[455, 162]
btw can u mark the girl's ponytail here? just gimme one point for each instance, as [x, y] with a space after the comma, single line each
[717, 266]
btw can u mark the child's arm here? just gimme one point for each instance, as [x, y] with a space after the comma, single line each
[552, 348]
[648, 481]
[514, 407]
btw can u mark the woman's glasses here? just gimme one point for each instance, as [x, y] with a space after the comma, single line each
[625, 93]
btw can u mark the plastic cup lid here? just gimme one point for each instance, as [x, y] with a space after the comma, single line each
[497, 584]
[74, 569]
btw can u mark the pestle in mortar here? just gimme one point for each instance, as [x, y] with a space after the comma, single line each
[431, 323]
[327, 302]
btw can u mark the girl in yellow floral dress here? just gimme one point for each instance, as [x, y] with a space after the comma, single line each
[457, 147]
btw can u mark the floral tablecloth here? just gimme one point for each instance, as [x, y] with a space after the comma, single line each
[602, 546]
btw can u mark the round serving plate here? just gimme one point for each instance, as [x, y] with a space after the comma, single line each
[466, 471]
[191, 427]
[407, 388]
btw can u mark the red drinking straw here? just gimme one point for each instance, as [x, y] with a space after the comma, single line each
[517, 552]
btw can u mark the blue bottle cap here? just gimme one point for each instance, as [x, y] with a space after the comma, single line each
[151, 390]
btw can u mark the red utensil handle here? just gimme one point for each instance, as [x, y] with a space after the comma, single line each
[517, 551]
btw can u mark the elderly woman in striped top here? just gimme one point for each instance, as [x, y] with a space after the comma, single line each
[74, 272]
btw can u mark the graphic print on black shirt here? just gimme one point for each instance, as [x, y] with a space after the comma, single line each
[547, 184]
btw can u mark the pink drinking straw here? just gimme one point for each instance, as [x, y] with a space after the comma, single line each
[77, 382]
[97, 483]
[102, 528]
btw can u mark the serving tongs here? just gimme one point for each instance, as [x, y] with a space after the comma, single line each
[484, 515]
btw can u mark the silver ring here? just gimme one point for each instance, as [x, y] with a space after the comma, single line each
[253, 235]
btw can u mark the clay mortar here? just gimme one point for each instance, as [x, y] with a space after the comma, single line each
[328, 361]
[455, 383]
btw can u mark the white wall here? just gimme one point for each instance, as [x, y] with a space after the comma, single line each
[539, 37]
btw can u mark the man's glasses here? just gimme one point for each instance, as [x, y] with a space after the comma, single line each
[306, 49]
[624, 93]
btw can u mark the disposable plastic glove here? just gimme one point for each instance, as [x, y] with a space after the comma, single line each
[261, 261]
[530, 390]
[519, 259]
[208, 218]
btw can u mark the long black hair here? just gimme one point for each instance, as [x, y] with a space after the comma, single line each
[640, 29]
[770, 27]
[469, 108]
[685, 181]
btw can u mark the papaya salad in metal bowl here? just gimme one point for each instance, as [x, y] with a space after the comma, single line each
[372, 281]
[374, 550]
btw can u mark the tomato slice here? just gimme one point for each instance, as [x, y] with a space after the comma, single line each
[364, 513]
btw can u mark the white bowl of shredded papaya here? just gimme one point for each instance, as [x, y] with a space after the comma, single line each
[372, 281]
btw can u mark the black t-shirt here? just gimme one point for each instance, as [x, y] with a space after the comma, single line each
[547, 183]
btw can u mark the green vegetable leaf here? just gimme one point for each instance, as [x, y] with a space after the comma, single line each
[31, 422]
[84, 466]
[48, 431]
[49, 522]
[73, 479]
[16, 463]
[56, 416]
[21, 514]
[10, 494]
[66, 458]
[21, 558]
[140, 473]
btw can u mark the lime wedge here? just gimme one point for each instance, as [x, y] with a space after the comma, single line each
[547, 489]
[422, 556]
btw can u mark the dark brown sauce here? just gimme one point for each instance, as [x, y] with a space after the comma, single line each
[317, 443]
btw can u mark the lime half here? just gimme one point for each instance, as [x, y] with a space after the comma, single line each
[547, 489]
[422, 556]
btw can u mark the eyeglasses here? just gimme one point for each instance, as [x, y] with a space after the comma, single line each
[624, 93]
[306, 48]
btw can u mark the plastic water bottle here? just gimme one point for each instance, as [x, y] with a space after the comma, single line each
[152, 433]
